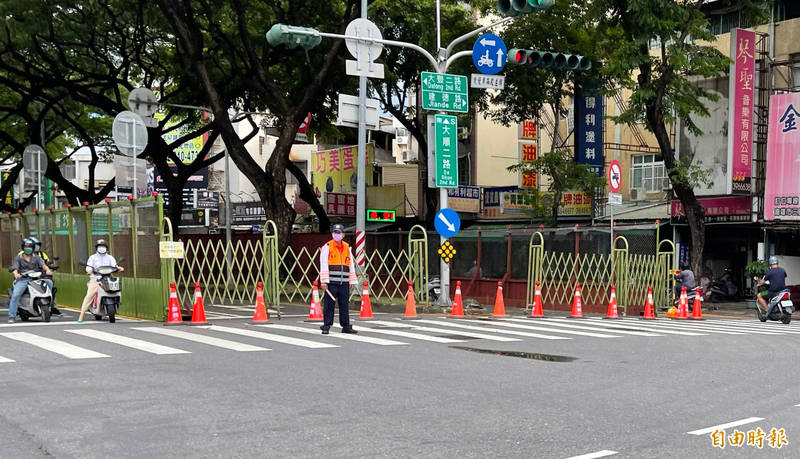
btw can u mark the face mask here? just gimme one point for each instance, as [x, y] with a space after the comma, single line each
[101, 250]
[338, 237]
[27, 250]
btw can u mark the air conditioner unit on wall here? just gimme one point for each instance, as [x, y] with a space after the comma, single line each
[637, 194]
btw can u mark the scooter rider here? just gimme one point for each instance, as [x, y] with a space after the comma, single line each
[37, 250]
[27, 261]
[98, 259]
[776, 278]
[337, 274]
[685, 278]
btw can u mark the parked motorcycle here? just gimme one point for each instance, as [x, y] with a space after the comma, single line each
[779, 308]
[37, 299]
[434, 289]
[723, 289]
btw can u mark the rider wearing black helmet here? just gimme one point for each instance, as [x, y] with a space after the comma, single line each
[26, 261]
[37, 249]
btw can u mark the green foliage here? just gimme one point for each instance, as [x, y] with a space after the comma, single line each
[755, 269]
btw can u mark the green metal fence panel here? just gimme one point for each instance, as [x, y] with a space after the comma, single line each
[418, 259]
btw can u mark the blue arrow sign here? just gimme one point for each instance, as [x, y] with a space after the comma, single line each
[489, 54]
[447, 222]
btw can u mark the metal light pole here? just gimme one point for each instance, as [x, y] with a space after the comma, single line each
[444, 267]
[361, 191]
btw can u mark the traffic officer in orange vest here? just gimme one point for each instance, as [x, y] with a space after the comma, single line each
[337, 274]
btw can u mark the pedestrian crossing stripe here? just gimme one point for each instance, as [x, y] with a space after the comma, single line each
[443, 330]
[68, 350]
[502, 323]
[360, 338]
[403, 334]
[133, 343]
[272, 337]
[558, 323]
[492, 330]
[209, 340]
[5, 360]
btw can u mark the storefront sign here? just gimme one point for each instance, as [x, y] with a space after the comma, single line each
[782, 193]
[464, 199]
[740, 116]
[528, 152]
[335, 171]
[589, 129]
[340, 204]
[731, 209]
[509, 201]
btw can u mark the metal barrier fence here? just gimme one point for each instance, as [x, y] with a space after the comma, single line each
[132, 230]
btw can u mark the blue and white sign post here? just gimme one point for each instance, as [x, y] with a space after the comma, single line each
[489, 54]
[447, 222]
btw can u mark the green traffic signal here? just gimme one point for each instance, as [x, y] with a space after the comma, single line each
[548, 60]
[281, 34]
[518, 7]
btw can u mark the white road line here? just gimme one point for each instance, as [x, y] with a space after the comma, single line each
[53, 345]
[502, 323]
[718, 328]
[272, 337]
[5, 360]
[798, 404]
[363, 339]
[446, 331]
[685, 325]
[491, 330]
[594, 455]
[637, 324]
[776, 328]
[724, 426]
[210, 340]
[564, 323]
[409, 335]
[741, 328]
[134, 343]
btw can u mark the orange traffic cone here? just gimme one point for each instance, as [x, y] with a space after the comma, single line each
[366, 304]
[458, 305]
[198, 311]
[174, 310]
[499, 305]
[411, 306]
[612, 305]
[697, 308]
[260, 315]
[577, 305]
[649, 309]
[536, 309]
[315, 309]
[683, 305]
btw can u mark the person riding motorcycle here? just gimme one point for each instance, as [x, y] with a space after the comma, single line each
[684, 278]
[27, 261]
[37, 250]
[775, 277]
[101, 257]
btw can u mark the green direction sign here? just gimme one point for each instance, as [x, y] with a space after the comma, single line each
[441, 91]
[446, 151]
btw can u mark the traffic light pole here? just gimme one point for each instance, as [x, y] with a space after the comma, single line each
[361, 191]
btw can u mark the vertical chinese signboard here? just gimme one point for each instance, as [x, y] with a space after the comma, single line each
[740, 117]
[335, 170]
[782, 192]
[589, 130]
[10, 195]
[528, 152]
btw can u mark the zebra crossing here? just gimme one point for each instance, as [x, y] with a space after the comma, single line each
[157, 340]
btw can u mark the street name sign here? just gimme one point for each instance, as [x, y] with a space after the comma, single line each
[481, 81]
[446, 151]
[442, 91]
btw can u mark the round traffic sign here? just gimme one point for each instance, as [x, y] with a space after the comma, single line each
[614, 176]
[129, 133]
[447, 222]
[489, 54]
[365, 28]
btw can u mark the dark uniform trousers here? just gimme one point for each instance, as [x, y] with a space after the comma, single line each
[340, 291]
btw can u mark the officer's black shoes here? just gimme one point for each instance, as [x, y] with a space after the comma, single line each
[349, 330]
[325, 332]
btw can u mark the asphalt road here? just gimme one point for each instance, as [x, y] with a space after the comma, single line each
[608, 389]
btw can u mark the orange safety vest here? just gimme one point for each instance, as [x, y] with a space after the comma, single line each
[339, 262]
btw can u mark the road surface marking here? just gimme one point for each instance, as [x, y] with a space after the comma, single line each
[565, 323]
[754, 326]
[594, 455]
[502, 323]
[491, 330]
[446, 331]
[724, 426]
[410, 335]
[363, 339]
[134, 343]
[272, 337]
[210, 340]
[686, 325]
[721, 328]
[53, 345]
[635, 323]
[5, 360]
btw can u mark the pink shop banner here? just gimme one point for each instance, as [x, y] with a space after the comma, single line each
[729, 209]
[742, 89]
[782, 193]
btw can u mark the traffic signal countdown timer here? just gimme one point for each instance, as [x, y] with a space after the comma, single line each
[518, 7]
[548, 60]
[447, 251]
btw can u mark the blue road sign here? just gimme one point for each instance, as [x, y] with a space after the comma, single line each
[489, 54]
[447, 222]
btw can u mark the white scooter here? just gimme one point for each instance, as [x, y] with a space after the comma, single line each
[109, 294]
[37, 300]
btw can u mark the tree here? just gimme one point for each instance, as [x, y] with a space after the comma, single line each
[653, 49]
[564, 173]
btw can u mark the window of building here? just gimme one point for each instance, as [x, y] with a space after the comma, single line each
[648, 173]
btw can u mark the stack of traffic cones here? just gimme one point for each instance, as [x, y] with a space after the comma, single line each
[366, 304]
[612, 305]
[649, 308]
[683, 305]
[577, 305]
[173, 310]
[315, 309]
[536, 308]
[198, 311]
[499, 305]
[697, 308]
[411, 305]
[260, 315]
[458, 305]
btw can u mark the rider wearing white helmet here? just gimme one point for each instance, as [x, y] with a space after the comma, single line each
[775, 277]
